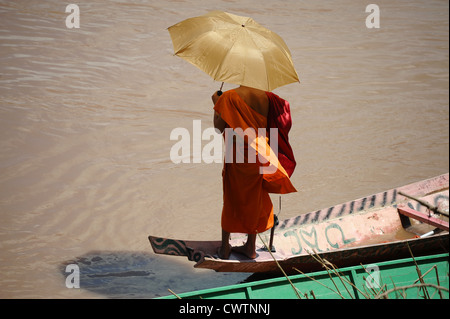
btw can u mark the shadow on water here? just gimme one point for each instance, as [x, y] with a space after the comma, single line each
[127, 274]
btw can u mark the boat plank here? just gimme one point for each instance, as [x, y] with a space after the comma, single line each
[430, 220]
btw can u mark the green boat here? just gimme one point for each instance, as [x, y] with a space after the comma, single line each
[425, 277]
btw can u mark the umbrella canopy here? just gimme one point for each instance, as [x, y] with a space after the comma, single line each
[234, 49]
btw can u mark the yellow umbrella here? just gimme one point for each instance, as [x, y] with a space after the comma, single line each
[234, 49]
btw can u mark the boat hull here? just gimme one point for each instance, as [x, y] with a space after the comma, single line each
[369, 229]
[385, 279]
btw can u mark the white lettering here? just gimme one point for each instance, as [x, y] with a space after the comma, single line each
[197, 141]
[73, 279]
[196, 309]
[247, 308]
[269, 155]
[73, 19]
[373, 19]
[184, 145]
[238, 136]
[373, 280]
[235, 141]
[212, 152]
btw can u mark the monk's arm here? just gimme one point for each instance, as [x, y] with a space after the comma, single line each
[219, 123]
[215, 97]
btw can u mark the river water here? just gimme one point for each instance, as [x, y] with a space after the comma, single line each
[86, 115]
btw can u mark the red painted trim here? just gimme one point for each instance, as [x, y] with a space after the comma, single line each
[433, 221]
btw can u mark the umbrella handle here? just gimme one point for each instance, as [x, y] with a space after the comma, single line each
[219, 93]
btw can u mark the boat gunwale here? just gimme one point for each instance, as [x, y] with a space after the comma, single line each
[327, 214]
[322, 254]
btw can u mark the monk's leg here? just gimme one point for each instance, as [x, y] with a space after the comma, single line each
[249, 248]
[225, 250]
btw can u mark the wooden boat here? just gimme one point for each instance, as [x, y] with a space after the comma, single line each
[367, 230]
[389, 279]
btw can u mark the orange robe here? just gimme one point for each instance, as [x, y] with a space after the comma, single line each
[247, 207]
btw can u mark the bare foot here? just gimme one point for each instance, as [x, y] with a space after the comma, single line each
[245, 250]
[224, 252]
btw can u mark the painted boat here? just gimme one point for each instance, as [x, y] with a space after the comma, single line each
[389, 279]
[366, 230]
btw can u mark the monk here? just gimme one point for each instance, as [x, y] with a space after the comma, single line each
[247, 207]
